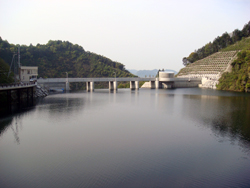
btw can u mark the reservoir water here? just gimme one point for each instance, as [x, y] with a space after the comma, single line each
[129, 139]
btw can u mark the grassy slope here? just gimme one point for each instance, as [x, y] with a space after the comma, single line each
[239, 78]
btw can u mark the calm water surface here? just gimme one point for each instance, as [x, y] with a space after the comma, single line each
[146, 138]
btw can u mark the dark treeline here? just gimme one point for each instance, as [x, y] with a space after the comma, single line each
[5, 75]
[56, 58]
[218, 44]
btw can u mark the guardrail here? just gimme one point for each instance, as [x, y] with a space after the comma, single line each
[15, 85]
[119, 79]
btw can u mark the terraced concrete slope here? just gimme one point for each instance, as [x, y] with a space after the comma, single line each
[209, 68]
[211, 65]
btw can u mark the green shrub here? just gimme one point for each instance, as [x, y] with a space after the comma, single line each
[238, 79]
[248, 85]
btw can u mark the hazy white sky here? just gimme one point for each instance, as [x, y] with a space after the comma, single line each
[141, 34]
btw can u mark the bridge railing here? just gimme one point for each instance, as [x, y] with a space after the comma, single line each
[15, 85]
[119, 79]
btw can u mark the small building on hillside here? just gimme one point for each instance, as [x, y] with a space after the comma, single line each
[28, 74]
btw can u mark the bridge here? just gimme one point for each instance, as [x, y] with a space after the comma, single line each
[165, 80]
[90, 82]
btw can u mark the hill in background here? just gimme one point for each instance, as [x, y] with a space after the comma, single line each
[218, 57]
[56, 58]
[235, 57]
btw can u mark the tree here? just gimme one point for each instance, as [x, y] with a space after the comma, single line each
[237, 35]
[208, 49]
[4, 69]
[194, 56]
[185, 61]
[225, 40]
[246, 30]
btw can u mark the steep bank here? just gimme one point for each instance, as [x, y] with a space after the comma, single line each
[210, 68]
[224, 70]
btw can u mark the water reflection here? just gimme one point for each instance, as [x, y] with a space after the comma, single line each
[165, 99]
[59, 104]
[227, 117]
[4, 124]
[14, 123]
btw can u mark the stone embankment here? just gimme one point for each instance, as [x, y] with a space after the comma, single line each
[209, 82]
[41, 92]
[210, 68]
[146, 85]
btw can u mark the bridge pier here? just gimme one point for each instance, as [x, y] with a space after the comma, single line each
[90, 86]
[152, 84]
[112, 85]
[134, 84]
[67, 88]
[155, 84]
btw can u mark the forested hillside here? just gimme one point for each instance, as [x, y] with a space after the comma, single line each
[57, 57]
[218, 44]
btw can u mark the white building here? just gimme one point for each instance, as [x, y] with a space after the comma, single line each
[28, 74]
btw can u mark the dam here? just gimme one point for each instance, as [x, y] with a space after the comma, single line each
[165, 80]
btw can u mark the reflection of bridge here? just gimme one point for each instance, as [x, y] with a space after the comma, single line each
[163, 81]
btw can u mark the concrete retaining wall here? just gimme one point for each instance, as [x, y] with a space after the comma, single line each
[184, 84]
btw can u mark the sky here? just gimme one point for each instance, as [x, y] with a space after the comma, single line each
[141, 34]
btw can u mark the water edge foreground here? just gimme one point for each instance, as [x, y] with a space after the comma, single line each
[142, 138]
